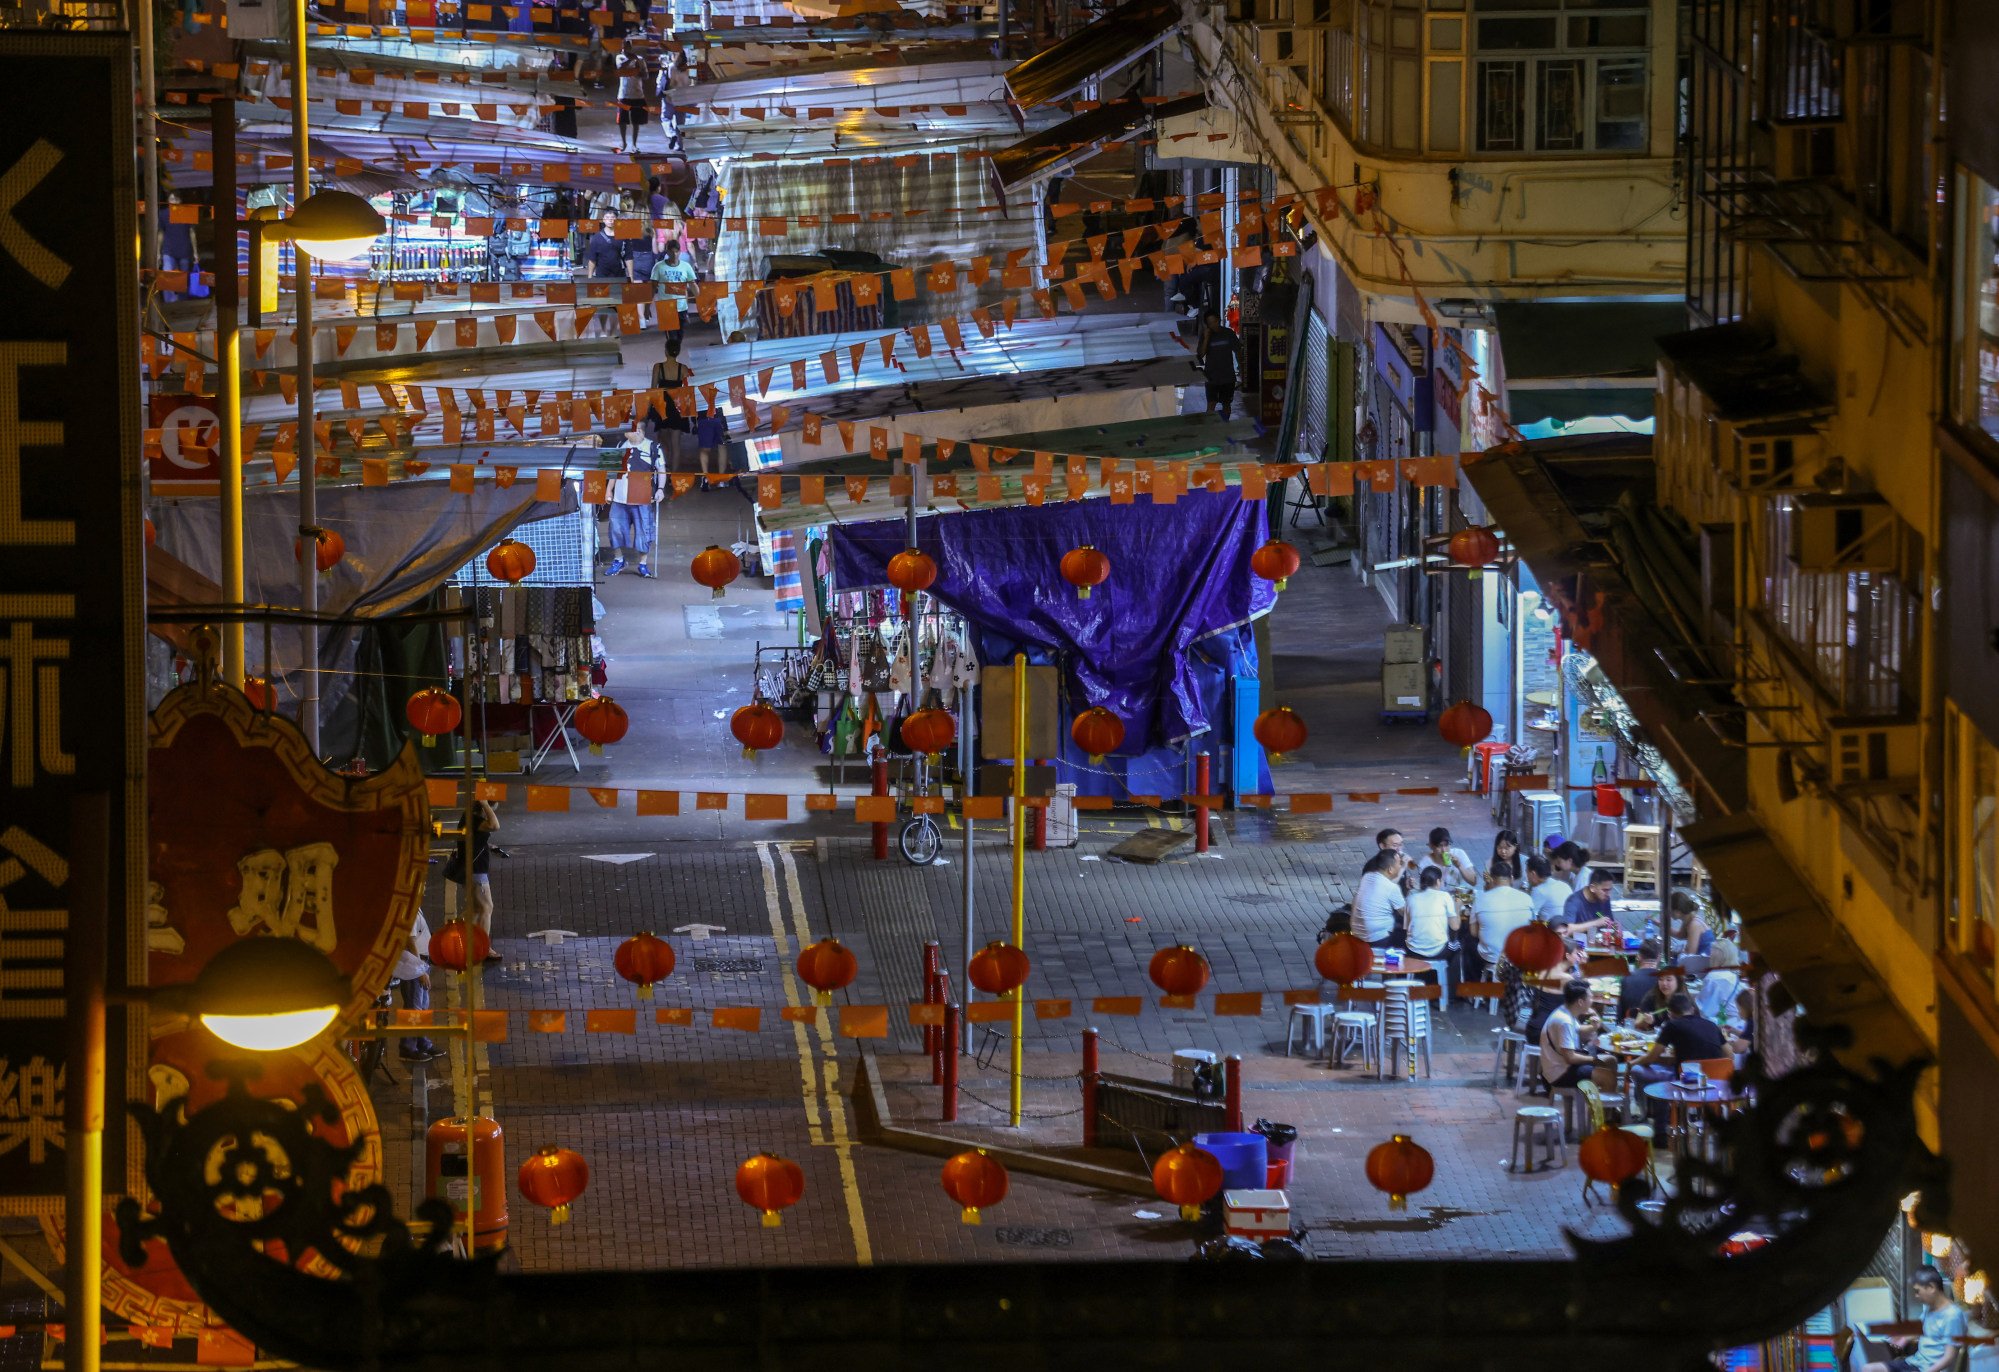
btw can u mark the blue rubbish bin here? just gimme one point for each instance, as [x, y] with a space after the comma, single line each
[1245, 1159]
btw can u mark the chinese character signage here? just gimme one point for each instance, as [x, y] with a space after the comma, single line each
[71, 575]
[253, 838]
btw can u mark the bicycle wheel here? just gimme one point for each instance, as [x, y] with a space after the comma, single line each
[366, 1055]
[920, 841]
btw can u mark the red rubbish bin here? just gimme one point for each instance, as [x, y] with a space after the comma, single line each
[1279, 1141]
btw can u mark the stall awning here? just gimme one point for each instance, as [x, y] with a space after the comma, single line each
[1125, 34]
[1569, 361]
[1053, 151]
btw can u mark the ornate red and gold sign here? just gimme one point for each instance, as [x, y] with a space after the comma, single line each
[156, 1295]
[250, 837]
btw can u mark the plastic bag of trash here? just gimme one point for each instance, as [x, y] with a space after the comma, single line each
[1224, 1248]
[1276, 1133]
[1283, 1250]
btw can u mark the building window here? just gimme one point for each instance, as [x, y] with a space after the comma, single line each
[1856, 629]
[1560, 77]
[1971, 913]
[1977, 400]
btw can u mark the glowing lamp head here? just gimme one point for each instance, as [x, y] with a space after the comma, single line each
[335, 226]
[267, 994]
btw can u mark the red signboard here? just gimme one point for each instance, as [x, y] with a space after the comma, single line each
[251, 837]
[185, 460]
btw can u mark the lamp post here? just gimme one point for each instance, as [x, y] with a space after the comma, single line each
[334, 225]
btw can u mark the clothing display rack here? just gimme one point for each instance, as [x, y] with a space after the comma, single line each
[860, 680]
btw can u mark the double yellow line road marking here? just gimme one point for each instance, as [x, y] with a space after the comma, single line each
[818, 1051]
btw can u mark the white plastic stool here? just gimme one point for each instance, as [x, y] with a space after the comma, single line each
[1530, 1064]
[1356, 1029]
[1536, 1126]
[1314, 1018]
[1506, 1044]
[1405, 1023]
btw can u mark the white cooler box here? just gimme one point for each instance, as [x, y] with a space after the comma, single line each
[1256, 1214]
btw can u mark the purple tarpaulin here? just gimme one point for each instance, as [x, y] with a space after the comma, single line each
[1179, 573]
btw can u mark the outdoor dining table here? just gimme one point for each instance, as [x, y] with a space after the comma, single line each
[1714, 1098]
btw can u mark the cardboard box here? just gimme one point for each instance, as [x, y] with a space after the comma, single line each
[1405, 686]
[1402, 643]
[1256, 1214]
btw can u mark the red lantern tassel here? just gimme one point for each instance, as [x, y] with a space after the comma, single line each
[560, 1214]
[1282, 582]
[970, 1215]
[645, 991]
[772, 1219]
[1082, 593]
[1190, 1213]
[428, 739]
[1397, 1201]
[749, 753]
[716, 594]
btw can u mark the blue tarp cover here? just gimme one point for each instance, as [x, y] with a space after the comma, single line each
[1179, 574]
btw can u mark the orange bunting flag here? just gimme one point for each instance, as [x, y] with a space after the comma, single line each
[857, 489]
[610, 1021]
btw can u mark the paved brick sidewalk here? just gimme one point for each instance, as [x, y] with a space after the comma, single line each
[666, 1114]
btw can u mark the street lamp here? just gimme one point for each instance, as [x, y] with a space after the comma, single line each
[263, 994]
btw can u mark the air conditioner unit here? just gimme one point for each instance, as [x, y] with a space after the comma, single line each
[1878, 755]
[1777, 455]
[1845, 533]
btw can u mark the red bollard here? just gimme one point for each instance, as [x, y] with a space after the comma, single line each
[1202, 780]
[932, 996]
[1232, 1093]
[1041, 829]
[880, 788]
[1089, 1088]
[949, 1057]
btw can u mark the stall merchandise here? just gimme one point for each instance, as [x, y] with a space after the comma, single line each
[535, 657]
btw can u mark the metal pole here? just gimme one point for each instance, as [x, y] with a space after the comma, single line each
[933, 995]
[469, 1108]
[965, 788]
[1019, 878]
[229, 359]
[879, 787]
[83, 1143]
[949, 1105]
[1203, 780]
[308, 446]
[1666, 882]
[149, 140]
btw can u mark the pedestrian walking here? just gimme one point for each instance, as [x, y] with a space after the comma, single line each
[1220, 363]
[485, 822]
[634, 502]
[631, 72]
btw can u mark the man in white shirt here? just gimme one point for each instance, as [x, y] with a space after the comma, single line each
[1565, 1058]
[1379, 901]
[411, 977]
[1499, 910]
[1433, 923]
[1550, 893]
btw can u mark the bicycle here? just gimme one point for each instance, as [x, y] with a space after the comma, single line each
[920, 839]
[367, 1054]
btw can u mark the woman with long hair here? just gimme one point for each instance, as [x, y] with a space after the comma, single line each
[1506, 853]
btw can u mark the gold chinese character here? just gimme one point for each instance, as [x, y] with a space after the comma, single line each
[290, 894]
[31, 689]
[31, 1107]
[16, 434]
[31, 945]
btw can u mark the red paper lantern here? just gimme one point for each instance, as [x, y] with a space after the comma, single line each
[601, 720]
[715, 568]
[1401, 1167]
[331, 547]
[1085, 567]
[1178, 971]
[553, 1179]
[457, 945]
[757, 727]
[999, 968]
[259, 693]
[930, 731]
[1476, 546]
[912, 570]
[433, 711]
[1534, 947]
[153, 535]
[1280, 731]
[1613, 1156]
[1465, 724]
[1275, 561]
[1188, 1177]
[1344, 958]
[827, 966]
[770, 1184]
[1097, 731]
[510, 561]
[976, 1181]
[644, 959]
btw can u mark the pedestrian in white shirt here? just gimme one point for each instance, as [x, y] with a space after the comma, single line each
[1550, 893]
[1499, 910]
[411, 975]
[1379, 903]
